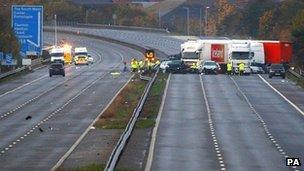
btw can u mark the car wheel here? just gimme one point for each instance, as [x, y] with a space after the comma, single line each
[50, 75]
[270, 76]
[283, 76]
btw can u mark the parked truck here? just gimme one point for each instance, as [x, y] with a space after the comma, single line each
[191, 52]
[205, 49]
[246, 52]
[277, 52]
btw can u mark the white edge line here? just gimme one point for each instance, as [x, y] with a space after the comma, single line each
[285, 98]
[155, 129]
[73, 147]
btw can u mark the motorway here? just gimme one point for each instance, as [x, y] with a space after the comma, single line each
[208, 122]
[61, 108]
[222, 123]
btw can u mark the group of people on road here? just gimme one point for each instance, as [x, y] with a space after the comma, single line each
[241, 68]
[142, 65]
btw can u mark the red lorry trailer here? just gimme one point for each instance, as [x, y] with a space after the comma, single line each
[277, 52]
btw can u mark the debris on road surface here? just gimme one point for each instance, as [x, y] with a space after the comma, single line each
[28, 117]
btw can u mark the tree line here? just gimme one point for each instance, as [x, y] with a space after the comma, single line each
[263, 19]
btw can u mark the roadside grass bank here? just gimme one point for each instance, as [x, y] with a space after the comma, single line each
[120, 111]
[293, 78]
[135, 153]
[153, 102]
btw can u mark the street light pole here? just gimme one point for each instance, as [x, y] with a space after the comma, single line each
[206, 20]
[188, 31]
[200, 22]
[55, 16]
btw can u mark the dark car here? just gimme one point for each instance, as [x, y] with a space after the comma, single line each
[56, 69]
[176, 66]
[277, 70]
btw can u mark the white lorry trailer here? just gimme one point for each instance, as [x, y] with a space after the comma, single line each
[205, 49]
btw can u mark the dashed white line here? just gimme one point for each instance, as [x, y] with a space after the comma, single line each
[265, 127]
[212, 130]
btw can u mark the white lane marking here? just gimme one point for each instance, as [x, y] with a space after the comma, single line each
[212, 130]
[78, 94]
[20, 87]
[285, 98]
[68, 153]
[155, 129]
[265, 127]
[49, 90]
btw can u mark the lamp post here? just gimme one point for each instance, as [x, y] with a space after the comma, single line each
[188, 31]
[206, 20]
[200, 32]
[55, 16]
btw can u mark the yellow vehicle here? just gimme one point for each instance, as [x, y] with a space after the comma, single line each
[81, 56]
[67, 54]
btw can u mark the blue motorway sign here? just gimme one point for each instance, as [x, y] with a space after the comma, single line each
[27, 22]
[9, 59]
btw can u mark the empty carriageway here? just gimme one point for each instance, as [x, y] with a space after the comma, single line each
[207, 123]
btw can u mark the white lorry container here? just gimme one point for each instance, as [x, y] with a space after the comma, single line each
[215, 50]
[257, 52]
[57, 54]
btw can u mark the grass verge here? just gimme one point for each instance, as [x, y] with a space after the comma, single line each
[119, 112]
[298, 81]
[152, 104]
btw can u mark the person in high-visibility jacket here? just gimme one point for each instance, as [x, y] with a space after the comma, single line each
[229, 68]
[194, 67]
[134, 65]
[150, 65]
[241, 68]
[141, 65]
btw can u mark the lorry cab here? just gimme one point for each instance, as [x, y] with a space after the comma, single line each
[191, 52]
[240, 52]
[57, 55]
[81, 56]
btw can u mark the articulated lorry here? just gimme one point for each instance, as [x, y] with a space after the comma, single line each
[257, 52]
[191, 52]
[246, 51]
[202, 50]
